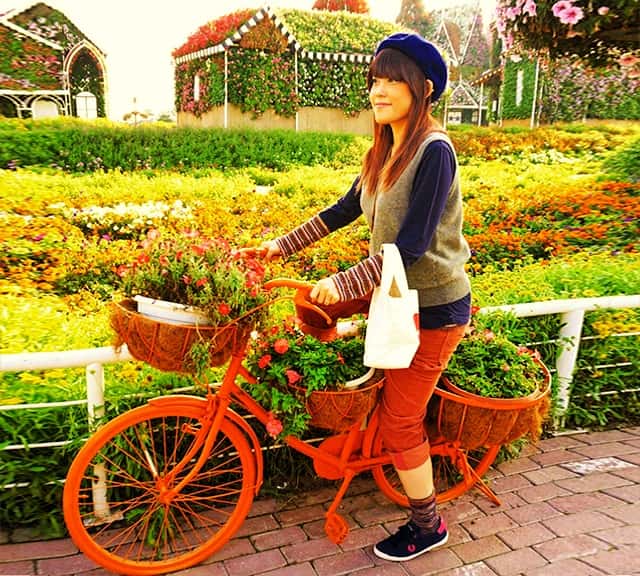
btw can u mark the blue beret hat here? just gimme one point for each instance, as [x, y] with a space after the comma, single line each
[424, 54]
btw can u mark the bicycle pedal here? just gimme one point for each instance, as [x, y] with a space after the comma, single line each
[336, 528]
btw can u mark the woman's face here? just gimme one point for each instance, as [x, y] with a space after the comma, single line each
[391, 101]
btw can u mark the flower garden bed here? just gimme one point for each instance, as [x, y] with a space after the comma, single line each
[543, 225]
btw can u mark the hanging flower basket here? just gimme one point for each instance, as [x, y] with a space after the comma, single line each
[474, 421]
[166, 346]
[339, 410]
[303, 381]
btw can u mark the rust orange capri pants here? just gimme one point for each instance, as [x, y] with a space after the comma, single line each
[406, 391]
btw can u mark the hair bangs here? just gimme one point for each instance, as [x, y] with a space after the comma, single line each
[391, 64]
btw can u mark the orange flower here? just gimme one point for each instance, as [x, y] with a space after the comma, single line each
[281, 345]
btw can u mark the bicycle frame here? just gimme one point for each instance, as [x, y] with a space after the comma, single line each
[219, 404]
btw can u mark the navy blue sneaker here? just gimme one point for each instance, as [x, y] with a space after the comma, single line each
[409, 542]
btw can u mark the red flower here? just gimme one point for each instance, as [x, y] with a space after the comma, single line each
[164, 260]
[224, 309]
[122, 271]
[143, 258]
[203, 282]
[281, 345]
[292, 376]
[273, 426]
[264, 361]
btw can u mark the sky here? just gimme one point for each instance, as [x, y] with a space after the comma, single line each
[138, 37]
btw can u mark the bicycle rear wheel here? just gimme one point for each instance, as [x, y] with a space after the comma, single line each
[115, 497]
[454, 470]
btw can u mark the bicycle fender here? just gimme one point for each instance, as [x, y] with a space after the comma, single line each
[176, 399]
[241, 423]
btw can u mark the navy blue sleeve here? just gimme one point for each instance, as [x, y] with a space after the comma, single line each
[428, 198]
[344, 211]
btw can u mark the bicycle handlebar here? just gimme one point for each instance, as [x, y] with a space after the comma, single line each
[301, 297]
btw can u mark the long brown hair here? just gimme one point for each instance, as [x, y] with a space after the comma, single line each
[377, 167]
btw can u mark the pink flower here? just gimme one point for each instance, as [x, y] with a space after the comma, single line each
[488, 335]
[281, 345]
[264, 361]
[273, 426]
[186, 279]
[530, 8]
[293, 376]
[560, 7]
[603, 10]
[571, 15]
[628, 60]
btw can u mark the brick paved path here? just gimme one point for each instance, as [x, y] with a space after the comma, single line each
[570, 507]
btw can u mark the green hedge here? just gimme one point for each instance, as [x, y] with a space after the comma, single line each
[75, 146]
[78, 146]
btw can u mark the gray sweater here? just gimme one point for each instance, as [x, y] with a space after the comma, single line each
[439, 274]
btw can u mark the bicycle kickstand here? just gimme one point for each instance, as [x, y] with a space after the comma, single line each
[335, 526]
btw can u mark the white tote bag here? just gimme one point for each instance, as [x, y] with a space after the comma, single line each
[393, 332]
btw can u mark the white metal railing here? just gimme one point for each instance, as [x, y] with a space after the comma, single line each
[93, 359]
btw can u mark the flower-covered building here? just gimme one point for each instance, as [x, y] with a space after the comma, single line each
[295, 69]
[48, 67]
[460, 32]
[566, 61]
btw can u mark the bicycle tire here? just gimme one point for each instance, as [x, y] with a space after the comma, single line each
[454, 470]
[137, 534]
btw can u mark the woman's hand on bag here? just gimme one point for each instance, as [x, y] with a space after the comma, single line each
[325, 292]
[270, 249]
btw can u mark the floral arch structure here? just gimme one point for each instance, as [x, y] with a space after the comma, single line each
[84, 70]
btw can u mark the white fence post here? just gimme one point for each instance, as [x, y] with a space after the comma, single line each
[95, 392]
[570, 333]
[95, 406]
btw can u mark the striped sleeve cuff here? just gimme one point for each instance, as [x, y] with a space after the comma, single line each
[302, 236]
[360, 279]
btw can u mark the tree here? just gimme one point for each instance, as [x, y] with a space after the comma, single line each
[355, 6]
[599, 31]
[414, 16]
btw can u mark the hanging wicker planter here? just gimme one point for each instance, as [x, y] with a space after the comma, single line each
[339, 410]
[166, 346]
[474, 421]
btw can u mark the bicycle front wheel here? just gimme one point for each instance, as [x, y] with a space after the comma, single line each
[116, 503]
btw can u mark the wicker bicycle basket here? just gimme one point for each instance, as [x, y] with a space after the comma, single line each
[166, 346]
[475, 421]
[339, 410]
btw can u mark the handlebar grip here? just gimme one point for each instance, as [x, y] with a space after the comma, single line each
[301, 297]
[288, 283]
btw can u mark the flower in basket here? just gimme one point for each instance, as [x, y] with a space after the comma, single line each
[204, 276]
[493, 392]
[489, 364]
[290, 365]
[197, 271]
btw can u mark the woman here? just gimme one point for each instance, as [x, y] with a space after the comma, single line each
[409, 192]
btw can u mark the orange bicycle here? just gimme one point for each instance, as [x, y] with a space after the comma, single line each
[165, 485]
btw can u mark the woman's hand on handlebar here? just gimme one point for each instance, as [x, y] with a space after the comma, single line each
[324, 292]
[270, 250]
